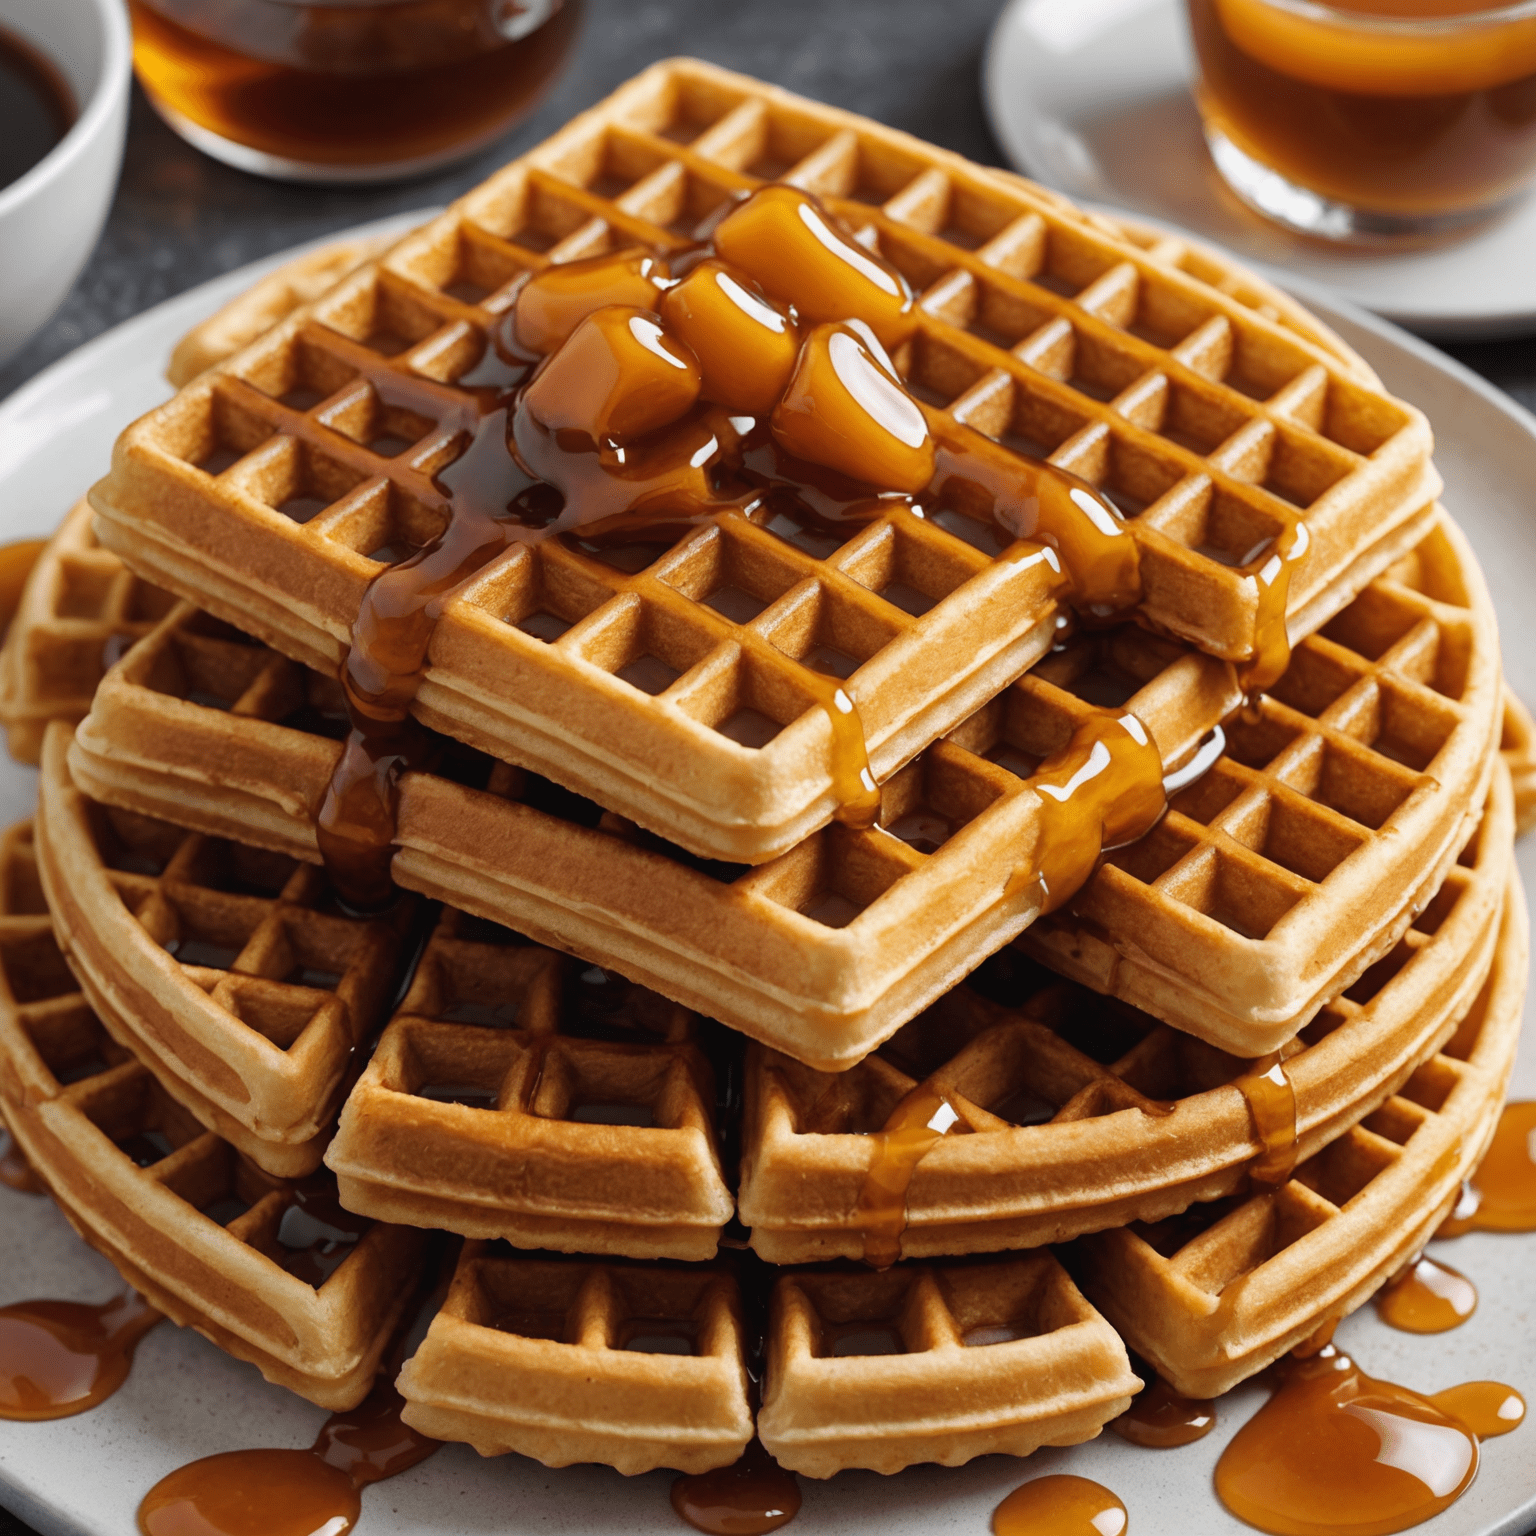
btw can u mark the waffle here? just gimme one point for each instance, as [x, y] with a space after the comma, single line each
[272, 1272]
[516, 1095]
[1301, 858]
[1077, 1115]
[79, 611]
[226, 969]
[822, 952]
[268, 487]
[575, 1361]
[1211, 1297]
[1518, 746]
[261, 306]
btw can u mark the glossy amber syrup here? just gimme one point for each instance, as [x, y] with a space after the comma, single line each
[1060, 1505]
[60, 1358]
[1162, 1418]
[617, 435]
[289, 1492]
[750, 1497]
[1271, 1100]
[1487, 1408]
[1428, 1297]
[916, 1126]
[1501, 1195]
[1335, 1450]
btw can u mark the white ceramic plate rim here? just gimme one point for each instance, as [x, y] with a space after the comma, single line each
[83, 1476]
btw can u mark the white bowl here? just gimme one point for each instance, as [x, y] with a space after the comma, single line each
[51, 217]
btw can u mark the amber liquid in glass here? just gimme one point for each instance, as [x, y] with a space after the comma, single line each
[1435, 124]
[396, 84]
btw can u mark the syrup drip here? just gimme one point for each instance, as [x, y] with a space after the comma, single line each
[1501, 1195]
[1487, 1408]
[917, 1125]
[15, 1171]
[1272, 1106]
[1335, 1450]
[60, 1358]
[1161, 1418]
[1428, 1297]
[751, 1497]
[290, 1493]
[1060, 1505]
[1271, 641]
[16, 562]
[625, 432]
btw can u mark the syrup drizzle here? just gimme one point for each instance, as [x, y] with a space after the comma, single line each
[1271, 1100]
[625, 432]
[916, 1126]
[1336, 1450]
[748, 1498]
[1501, 1195]
[1271, 641]
[60, 1358]
[1060, 1505]
[1161, 1418]
[1428, 1297]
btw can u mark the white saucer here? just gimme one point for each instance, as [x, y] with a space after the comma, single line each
[185, 1399]
[1091, 97]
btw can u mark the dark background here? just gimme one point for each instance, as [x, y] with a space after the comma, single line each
[180, 218]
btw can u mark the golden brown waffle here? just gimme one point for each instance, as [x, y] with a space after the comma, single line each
[1518, 746]
[1215, 1295]
[79, 612]
[268, 487]
[517, 1094]
[822, 953]
[637, 1366]
[227, 970]
[1302, 856]
[272, 1272]
[1076, 1114]
[254, 312]
[935, 1364]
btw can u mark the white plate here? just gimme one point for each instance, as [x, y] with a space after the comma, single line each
[1092, 97]
[184, 1399]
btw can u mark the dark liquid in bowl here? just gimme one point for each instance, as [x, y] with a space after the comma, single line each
[36, 107]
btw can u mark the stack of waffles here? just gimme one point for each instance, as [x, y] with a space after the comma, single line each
[881, 1122]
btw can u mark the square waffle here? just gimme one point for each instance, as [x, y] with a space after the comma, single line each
[822, 952]
[935, 1364]
[1075, 1114]
[682, 691]
[80, 610]
[1336, 822]
[521, 1096]
[1303, 855]
[228, 970]
[273, 1272]
[638, 1366]
[1213, 1296]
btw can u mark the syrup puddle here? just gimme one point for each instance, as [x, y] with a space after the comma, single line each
[1428, 1297]
[60, 1358]
[290, 1493]
[754, 1495]
[1161, 1418]
[1501, 1195]
[1060, 1505]
[1335, 1452]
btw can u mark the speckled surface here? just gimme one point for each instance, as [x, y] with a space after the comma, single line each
[180, 218]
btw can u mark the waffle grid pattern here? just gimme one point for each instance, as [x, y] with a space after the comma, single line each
[1209, 474]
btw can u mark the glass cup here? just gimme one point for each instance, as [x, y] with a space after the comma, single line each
[347, 90]
[1371, 121]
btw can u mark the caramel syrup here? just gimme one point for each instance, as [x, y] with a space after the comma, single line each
[1060, 1505]
[287, 1492]
[16, 563]
[916, 1126]
[1487, 1408]
[1161, 1418]
[1271, 640]
[1335, 1450]
[1428, 1297]
[1502, 1194]
[748, 1498]
[1271, 1100]
[623, 433]
[60, 1358]
[15, 1171]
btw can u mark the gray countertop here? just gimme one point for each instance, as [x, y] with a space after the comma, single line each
[180, 218]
